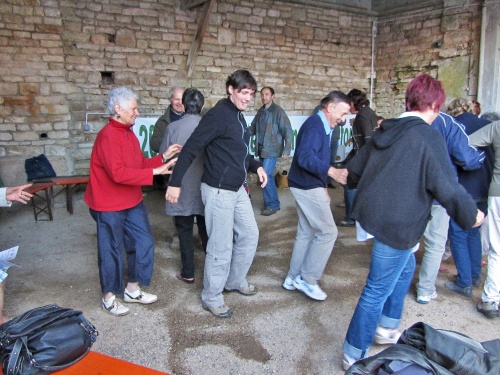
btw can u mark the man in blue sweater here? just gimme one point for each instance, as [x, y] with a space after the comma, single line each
[307, 179]
[436, 233]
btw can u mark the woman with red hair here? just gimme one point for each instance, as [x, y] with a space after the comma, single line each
[398, 174]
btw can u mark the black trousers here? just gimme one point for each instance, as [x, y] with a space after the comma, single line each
[184, 226]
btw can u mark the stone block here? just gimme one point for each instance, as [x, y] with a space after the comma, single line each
[139, 61]
[99, 39]
[25, 136]
[306, 33]
[53, 109]
[146, 21]
[125, 38]
[9, 89]
[226, 36]
[58, 134]
[6, 136]
[55, 150]
[241, 36]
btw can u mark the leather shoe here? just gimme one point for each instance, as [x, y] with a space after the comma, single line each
[185, 279]
[268, 212]
[467, 291]
[344, 223]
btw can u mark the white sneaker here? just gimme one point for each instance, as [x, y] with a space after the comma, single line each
[347, 362]
[114, 307]
[288, 283]
[139, 296]
[312, 291]
[386, 336]
[426, 299]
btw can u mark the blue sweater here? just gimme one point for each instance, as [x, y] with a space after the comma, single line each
[477, 182]
[311, 160]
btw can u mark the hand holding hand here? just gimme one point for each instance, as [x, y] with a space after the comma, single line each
[479, 218]
[262, 176]
[172, 194]
[171, 151]
[339, 175]
[165, 168]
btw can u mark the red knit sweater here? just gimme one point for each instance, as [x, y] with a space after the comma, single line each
[118, 169]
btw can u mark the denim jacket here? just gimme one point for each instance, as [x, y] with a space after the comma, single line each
[273, 132]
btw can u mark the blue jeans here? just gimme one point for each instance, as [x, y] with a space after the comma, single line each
[382, 299]
[270, 192]
[467, 252]
[118, 232]
[349, 195]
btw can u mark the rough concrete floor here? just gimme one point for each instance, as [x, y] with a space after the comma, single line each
[274, 332]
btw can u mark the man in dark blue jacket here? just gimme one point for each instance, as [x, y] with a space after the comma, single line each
[307, 179]
[466, 244]
[436, 232]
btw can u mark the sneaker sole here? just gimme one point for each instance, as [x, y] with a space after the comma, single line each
[227, 314]
[246, 294]
[384, 340]
[490, 314]
[110, 313]
[345, 365]
[424, 301]
[288, 287]
[131, 300]
[306, 292]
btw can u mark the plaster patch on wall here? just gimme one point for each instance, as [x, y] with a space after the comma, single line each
[453, 74]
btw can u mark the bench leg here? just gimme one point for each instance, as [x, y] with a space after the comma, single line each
[46, 202]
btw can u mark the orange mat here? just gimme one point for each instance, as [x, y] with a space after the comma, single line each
[99, 364]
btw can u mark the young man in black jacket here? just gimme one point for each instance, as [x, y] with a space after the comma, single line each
[232, 230]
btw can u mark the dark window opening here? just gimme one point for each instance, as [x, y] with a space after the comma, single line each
[107, 78]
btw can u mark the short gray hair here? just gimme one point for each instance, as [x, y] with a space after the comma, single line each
[491, 116]
[120, 96]
[173, 89]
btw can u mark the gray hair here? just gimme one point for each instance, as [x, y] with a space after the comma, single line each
[458, 106]
[120, 96]
[174, 89]
[492, 116]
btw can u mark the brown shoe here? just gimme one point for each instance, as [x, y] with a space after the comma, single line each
[250, 290]
[268, 212]
[185, 279]
[219, 311]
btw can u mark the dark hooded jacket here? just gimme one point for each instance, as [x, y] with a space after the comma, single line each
[222, 133]
[398, 173]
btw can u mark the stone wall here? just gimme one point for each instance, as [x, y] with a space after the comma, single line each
[444, 44]
[60, 58]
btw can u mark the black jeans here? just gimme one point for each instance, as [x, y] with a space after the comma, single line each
[184, 226]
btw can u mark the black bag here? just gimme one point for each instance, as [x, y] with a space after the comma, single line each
[44, 340]
[39, 167]
[422, 349]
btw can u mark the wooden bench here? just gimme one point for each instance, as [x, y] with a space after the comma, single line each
[69, 183]
[99, 364]
[44, 203]
[42, 199]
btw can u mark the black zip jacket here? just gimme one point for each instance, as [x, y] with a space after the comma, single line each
[223, 134]
[398, 173]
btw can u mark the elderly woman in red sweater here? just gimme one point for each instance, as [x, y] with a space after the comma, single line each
[118, 169]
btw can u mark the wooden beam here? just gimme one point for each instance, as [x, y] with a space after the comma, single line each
[202, 27]
[189, 4]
